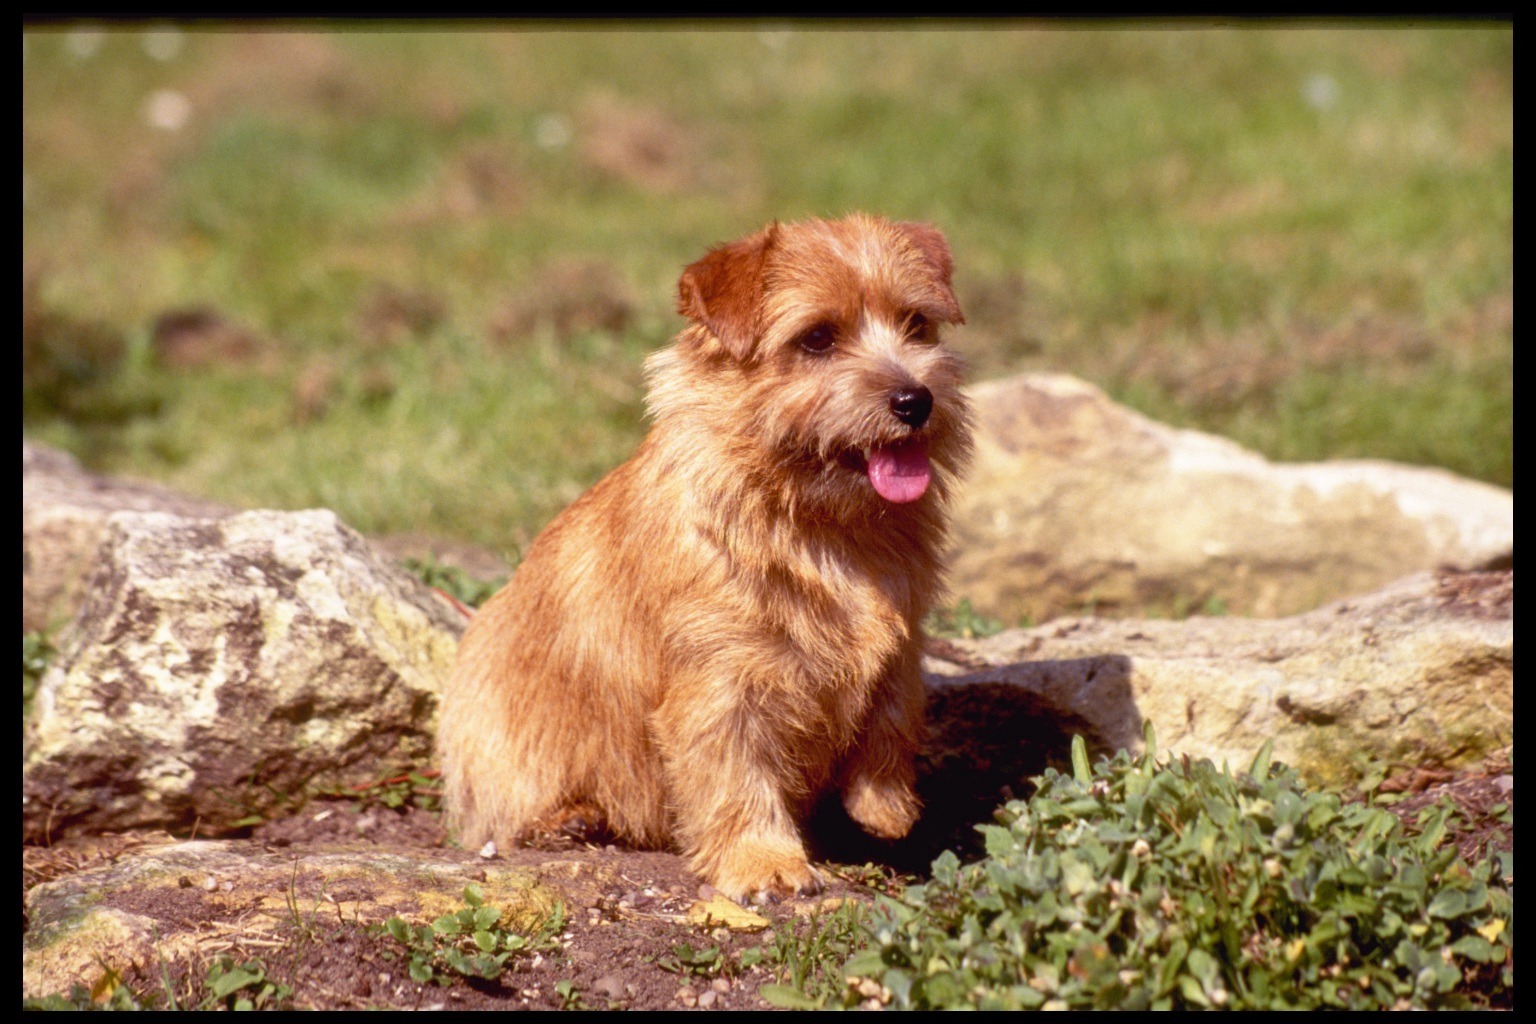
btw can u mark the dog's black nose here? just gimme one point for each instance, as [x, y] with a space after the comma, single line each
[912, 405]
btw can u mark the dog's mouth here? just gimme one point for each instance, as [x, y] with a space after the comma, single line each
[899, 472]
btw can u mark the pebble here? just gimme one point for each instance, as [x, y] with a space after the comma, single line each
[687, 996]
[708, 998]
[707, 892]
[610, 985]
[488, 850]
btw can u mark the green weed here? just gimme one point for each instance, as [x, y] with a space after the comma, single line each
[1173, 884]
[706, 962]
[570, 995]
[242, 986]
[109, 993]
[961, 621]
[415, 788]
[227, 985]
[453, 581]
[36, 652]
[469, 943]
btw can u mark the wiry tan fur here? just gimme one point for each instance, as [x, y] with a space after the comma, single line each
[727, 624]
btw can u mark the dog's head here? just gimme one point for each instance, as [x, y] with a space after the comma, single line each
[824, 338]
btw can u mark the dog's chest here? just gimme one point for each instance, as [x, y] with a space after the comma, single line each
[844, 620]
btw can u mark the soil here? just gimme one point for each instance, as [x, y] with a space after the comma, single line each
[1479, 796]
[613, 952]
[620, 950]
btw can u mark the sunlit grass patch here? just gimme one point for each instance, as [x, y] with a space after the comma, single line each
[1195, 219]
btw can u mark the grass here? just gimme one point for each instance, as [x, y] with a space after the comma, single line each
[807, 956]
[1299, 237]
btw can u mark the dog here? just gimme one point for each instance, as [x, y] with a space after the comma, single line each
[728, 624]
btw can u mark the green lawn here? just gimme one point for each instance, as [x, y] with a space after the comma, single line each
[1299, 237]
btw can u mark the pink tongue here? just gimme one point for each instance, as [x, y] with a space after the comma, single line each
[900, 472]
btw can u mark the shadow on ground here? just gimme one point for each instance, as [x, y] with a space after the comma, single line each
[986, 741]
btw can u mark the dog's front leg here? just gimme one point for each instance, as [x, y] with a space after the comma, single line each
[878, 778]
[733, 789]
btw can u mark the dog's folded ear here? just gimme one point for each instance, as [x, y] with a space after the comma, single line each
[930, 243]
[723, 291]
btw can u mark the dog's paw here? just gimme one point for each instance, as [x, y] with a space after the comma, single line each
[808, 883]
[886, 809]
[762, 877]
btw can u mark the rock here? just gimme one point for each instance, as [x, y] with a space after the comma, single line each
[220, 666]
[149, 908]
[1075, 502]
[64, 513]
[85, 942]
[1421, 671]
[611, 986]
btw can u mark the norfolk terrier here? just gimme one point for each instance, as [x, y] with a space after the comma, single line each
[727, 625]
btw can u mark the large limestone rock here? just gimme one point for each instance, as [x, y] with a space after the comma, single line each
[64, 514]
[1075, 502]
[1420, 672]
[221, 665]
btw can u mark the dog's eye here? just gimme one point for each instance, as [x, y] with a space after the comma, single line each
[819, 338]
[919, 327]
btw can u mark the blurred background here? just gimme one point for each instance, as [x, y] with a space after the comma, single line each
[411, 275]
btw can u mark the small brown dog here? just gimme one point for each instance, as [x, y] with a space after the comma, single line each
[728, 623]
